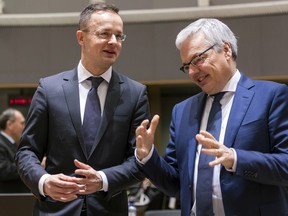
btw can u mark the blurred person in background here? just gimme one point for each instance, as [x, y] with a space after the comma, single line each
[12, 123]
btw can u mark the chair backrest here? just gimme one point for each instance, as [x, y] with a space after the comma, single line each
[165, 212]
[17, 204]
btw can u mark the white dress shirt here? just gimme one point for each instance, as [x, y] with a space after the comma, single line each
[226, 103]
[84, 87]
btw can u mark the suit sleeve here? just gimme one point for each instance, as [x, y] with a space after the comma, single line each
[127, 173]
[163, 172]
[32, 144]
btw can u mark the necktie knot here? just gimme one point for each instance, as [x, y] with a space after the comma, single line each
[218, 96]
[96, 81]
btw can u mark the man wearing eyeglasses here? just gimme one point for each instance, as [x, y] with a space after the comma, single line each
[84, 120]
[239, 167]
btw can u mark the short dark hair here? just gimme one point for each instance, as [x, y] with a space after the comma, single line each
[8, 114]
[92, 8]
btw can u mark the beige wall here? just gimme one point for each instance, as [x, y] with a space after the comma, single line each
[28, 53]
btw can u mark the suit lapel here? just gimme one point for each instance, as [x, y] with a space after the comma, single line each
[194, 127]
[71, 92]
[113, 95]
[242, 100]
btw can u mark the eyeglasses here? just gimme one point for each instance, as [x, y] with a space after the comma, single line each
[196, 61]
[106, 35]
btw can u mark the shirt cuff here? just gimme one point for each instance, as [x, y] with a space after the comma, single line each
[41, 184]
[233, 169]
[144, 160]
[105, 181]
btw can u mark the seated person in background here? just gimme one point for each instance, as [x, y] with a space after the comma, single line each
[11, 126]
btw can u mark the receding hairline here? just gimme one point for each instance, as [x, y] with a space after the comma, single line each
[87, 12]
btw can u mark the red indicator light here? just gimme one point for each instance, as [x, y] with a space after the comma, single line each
[20, 101]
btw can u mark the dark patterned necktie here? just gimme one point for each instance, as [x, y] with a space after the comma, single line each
[204, 205]
[92, 114]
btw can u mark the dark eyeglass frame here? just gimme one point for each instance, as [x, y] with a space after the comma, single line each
[195, 61]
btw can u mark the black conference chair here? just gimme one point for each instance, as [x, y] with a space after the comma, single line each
[163, 212]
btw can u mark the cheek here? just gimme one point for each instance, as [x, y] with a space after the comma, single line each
[218, 67]
[119, 49]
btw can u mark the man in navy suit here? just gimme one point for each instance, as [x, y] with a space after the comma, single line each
[12, 123]
[76, 181]
[250, 158]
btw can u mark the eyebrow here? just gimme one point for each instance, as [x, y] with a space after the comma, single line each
[199, 54]
[193, 57]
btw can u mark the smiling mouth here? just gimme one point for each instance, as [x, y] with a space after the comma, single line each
[201, 78]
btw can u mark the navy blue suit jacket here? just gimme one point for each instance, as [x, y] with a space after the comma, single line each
[258, 130]
[54, 129]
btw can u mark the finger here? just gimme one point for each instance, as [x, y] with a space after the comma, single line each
[83, 190]
[139, 141]
[64, 197]
[209, 151]
[207, 134]
[141, 129]
[145, 123]
[81, 165]
[154, 124]
[87, 174]
[69, 184]
[216, 162]
[64, 181]
[207, 142]
[142, 148]
[59, 189]
[203, 140]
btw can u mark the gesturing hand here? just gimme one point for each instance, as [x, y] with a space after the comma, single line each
[224, 155]
[145, 137]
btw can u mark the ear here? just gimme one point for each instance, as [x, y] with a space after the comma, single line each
[9, 123]
[227, 49]
[79, 36]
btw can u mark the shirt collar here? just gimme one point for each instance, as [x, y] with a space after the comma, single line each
[8, 137]
[84, 74]
[232, 83]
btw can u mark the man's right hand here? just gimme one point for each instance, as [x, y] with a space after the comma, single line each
[62, 188]
[145, 137]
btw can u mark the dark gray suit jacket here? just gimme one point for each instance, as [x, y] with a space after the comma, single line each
[54, 129]
[10, 181]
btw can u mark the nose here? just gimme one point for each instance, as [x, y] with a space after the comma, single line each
[113, 38]
[193, 69]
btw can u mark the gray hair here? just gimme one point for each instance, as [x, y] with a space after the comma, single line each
[214, 31]
[8, 114]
